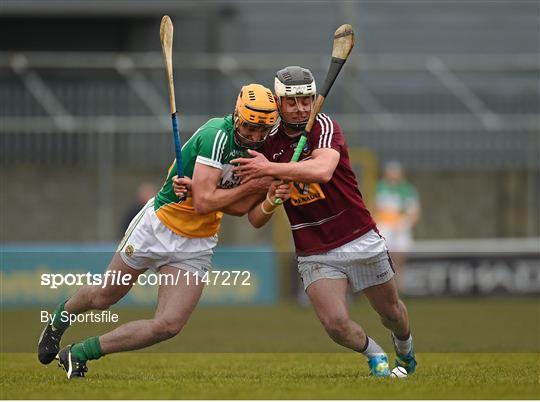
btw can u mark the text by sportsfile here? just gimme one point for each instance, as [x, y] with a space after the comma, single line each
[65, 317]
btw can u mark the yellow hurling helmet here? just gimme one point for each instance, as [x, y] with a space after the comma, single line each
[255, 108]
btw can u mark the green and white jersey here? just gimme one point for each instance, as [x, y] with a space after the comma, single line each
[212, 145]
[394, 200]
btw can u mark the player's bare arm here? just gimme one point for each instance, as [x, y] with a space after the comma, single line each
[263, 211]
[182, 188]
[207, 197]
[318, 169]
[243, 206]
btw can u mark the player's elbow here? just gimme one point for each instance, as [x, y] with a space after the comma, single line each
[201, 206]
[327, 176]
[323, 165]
[324, 175]
[201, 210]
[255, 223]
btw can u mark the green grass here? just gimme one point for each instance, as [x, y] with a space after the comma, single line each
[468, 348]
[439, 325]
[273, 376]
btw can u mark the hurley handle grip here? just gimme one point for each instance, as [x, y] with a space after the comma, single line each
[177, 150]
[299, 147]
[177, 146]
[297, 152]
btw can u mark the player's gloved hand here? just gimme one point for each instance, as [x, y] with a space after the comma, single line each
[251, 168]
[182, 187]
[279, 189]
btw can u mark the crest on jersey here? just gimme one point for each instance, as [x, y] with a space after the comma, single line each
[228, 178]
[306, 193]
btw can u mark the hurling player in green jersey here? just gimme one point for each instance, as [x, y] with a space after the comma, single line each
[173, 236]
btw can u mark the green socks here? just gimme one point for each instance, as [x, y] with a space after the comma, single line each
[58, 322]
[89, 349]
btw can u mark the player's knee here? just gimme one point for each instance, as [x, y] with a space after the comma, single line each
[165, 328]
[336, 326]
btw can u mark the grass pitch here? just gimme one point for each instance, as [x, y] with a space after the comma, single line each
[478, 348]
[273, 376]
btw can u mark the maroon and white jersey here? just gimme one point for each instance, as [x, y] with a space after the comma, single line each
[322, 216]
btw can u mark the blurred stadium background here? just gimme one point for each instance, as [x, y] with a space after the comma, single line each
[449, 88]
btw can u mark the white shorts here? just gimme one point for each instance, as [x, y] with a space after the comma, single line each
[364, 262]
[148, 243]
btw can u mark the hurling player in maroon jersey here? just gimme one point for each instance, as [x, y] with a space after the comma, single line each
[336, 238]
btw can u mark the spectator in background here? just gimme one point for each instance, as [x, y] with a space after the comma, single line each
[397, 210]
[145, 191]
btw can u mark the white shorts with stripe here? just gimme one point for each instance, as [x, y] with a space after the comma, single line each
[364, 262]
[148, 243]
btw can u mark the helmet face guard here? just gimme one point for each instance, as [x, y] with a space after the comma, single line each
[256, 111]
[294, 82]
[245, 142]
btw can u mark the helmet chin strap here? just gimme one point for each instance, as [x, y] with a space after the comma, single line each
[295, 126]
[297, 130]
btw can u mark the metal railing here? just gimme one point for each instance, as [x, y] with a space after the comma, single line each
[68, 100]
